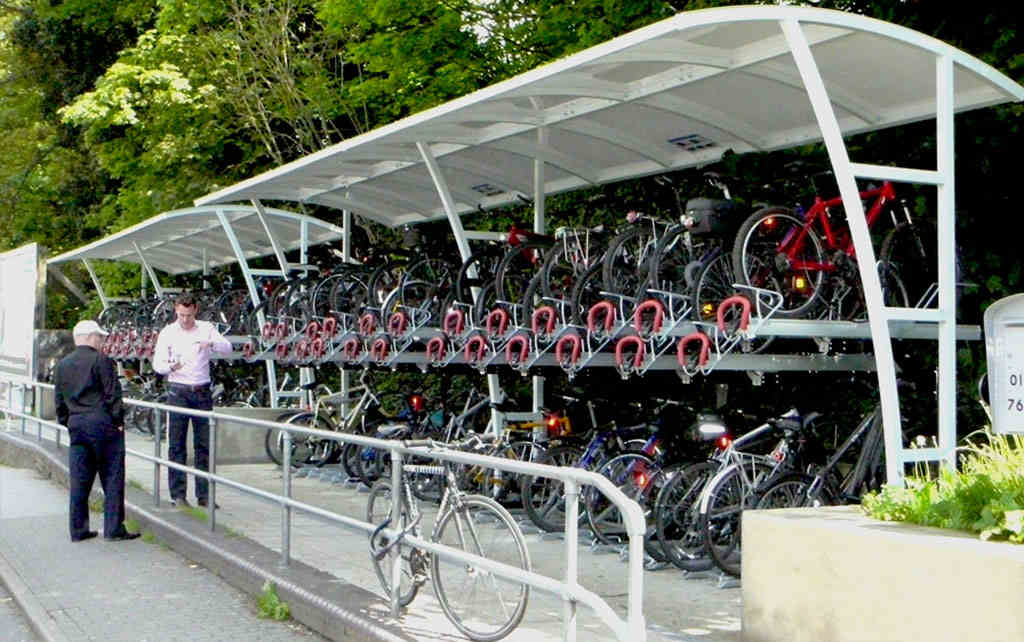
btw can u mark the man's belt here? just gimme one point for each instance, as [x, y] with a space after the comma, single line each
[191, 388]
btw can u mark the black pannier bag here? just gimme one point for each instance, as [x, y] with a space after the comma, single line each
[714, 216]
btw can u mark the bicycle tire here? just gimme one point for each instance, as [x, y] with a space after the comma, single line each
[273, 443]
[378, 509]
[517, 268]
[728, 497]
[486, 262]
[676, 514]
[585, 293]
[454, 582]
[561, 271]
[321, 451]
[670, 261]
[910, 252]
[790, 491]
[627, 260]
[543, 497]
[713, 285]
[756, 262]
[631, 472]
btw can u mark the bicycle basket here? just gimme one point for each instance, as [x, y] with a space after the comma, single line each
[710, 216]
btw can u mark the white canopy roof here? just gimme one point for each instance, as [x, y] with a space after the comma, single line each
[179, 241]
[675, 94]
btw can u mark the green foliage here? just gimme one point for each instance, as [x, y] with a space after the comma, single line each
[986, 496]
[270, 605]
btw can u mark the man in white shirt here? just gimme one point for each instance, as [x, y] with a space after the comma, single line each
[183, 352]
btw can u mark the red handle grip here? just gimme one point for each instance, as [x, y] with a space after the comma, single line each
[435, 349]
[574, 354]
[317, 348]
[351, 348]
[497, 322]
[330, 327]
[545, 315]
[650, 305]
[367, 324]
[475, 349]
[705, 349]
[379, 349]
[454, 322]
[731, 302]
[623, 343]
[312, 329]
[281, 351]
[595, 310]
[281, 330]
[511, 355]
[397, 323]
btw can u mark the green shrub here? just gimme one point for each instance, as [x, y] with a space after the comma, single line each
[270, 604]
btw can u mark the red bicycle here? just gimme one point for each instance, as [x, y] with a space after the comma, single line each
[808, 256]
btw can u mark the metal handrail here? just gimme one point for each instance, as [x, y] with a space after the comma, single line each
[631, 628]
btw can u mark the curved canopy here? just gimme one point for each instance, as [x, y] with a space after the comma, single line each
[181, 241]
[675, 94]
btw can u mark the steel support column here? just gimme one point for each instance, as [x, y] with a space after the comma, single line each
[261, 213]
[149, 270]
[96, 283]
[539, 227]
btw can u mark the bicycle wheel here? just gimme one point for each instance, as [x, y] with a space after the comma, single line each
[543, 497]
[502, 485]
[413, 561]
[585, 293]
[517, 268]
[321, 451]
[482, 605]
[632, 473]
[671, 261]
[676, 516]
[788, 491]
[564, 265]
[761, 258]
[485, 262]
[627, 261]
[425, 284]
[728, 496]
[273, 443]
[713, 285]
[909, 256]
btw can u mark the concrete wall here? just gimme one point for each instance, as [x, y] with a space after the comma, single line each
[238, 443]
[818, 575]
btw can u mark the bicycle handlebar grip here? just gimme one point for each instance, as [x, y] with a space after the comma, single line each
[330, 327]
[475, 349]
[379, 350]
[621, 345]
[397, 323]
[548, 314]
[574, 355]
[705, 349]
[524, 350]
[498, 317]
[350, 349]
[454, 322]
[733, 301]
[435, 349]
[312, 329]
[367, 324]
[595, 310]
[656, 322]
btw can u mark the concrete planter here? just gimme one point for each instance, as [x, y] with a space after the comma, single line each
[818, 575]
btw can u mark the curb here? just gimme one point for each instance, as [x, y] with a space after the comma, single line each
[335, 609]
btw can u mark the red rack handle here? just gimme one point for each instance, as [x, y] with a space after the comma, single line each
[595, 311]
[248, 350]
[268, 330]
[351, 348]
[379, 349]
[545, 315]
[497, 322]
[317, 348]
[475, 349]
[281, 330]
[367, 324]
[731, 302]
[301, 349]
[330, 327]
[705, 349]
[397, 323]
[312, 329]
[281, 351]
[623, 343]
[644, 308]
[512, 355]
[454, 322]
[574, 351]
[435, 349]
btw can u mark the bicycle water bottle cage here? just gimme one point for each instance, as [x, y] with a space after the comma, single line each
[330, 327]
[648, 307]
[517, 350]
[367, 324]
[703, 353]
[454, 322]
[545, 315]
[397, 323]
[574, 345]
[435, 350]
[379, 350]
[638, 359]
[475, 349]
[596, 310]
[497, 322]
[350, 349]
[312, 329]
[731, 302]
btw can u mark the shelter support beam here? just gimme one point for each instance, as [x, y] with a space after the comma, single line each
[946, 256]
[68, 284]
[149, 270]
[96, 283]
[278, 252]
[877, 318]
[539, 227]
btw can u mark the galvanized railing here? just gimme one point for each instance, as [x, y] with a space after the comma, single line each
[631, 628]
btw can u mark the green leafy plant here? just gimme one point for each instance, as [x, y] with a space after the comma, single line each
[270, 604]
[986, 496]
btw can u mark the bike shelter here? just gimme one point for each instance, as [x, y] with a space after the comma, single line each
[675, 95]
[199, 238]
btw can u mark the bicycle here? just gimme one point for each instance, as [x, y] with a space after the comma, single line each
[470, 597]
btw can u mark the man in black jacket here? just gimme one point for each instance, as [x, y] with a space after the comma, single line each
[88, 396]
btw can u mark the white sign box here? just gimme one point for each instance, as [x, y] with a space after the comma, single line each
[1004, 350]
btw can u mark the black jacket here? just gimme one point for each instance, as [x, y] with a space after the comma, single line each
[87, 383]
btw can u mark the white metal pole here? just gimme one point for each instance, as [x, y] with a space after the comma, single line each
[539, 227]
[877, 318]
[96, 283]
[945, 161]
[149, 270]
[278, 252]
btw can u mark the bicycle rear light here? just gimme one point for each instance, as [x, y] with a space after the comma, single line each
[416, 403]
[799, 283]
[723, 442]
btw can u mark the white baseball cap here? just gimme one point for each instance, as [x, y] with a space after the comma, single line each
[87, 327]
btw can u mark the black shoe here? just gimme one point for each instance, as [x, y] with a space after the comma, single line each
[122, 536]
[180, 502]
[85, 536]
[204, 502]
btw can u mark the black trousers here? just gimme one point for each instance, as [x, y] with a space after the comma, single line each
[96, 448]
[177, 437]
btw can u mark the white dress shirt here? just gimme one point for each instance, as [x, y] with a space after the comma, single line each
[177, 345]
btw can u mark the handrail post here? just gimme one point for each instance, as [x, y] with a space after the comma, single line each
[21, 410]
[397, 499]
[572, 514]
[211, 504]
[156, 452]
[286, 510]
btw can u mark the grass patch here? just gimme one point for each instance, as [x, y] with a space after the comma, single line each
[131, 525]
[230, 532]
[270, 605]
[96, 505]
[195, 512]
[149, 537]
[136, 484]
[986, 496]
